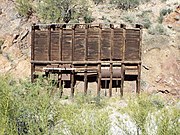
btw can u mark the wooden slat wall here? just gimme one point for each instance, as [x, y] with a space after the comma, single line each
[79, 44]
[92, 44]
[41, 46]
[66, 45]
[118, 44]
[55, 48]
[132, 47]
[105, 47]
[63, 45]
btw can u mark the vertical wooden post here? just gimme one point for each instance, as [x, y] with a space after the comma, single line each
[60, 59]
[72, 55]
[138, 81]
[86, 53]
[111, 79]
[32, 52]
[60, 42]
[99, 58]
[49, 43]
[123, 59]
[111, 58]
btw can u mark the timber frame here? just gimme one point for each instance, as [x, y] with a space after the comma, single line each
[103, 51]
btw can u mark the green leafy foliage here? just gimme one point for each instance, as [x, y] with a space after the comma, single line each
[125, 4]
[138, 109]
[98, 1]
[162, 13]
[24, 8]
[27, 108]
[158, 29]
[151, 115]
[63, 10]
[168, 121]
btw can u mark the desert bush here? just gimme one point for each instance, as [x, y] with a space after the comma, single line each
[98, 1]
[138, 110]
[144, 18]
[24, 8]
[158, 29]
[168, 121]
[27, 108]
[162, 13]
[151, 115]
[5, 104]
[63, 10]
[84, 119]
[163, 0]
[146, 22]
[125, 4]
[129, 17]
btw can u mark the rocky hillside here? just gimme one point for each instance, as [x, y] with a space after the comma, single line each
[161, 40]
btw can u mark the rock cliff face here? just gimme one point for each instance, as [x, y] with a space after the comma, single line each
[160, 56]
[173, 19]
[14, 37]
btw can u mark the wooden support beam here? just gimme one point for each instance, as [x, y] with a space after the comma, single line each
[85, 81]
[111, 58]
[111, 79]
[85, 58]
[32, 52]
[123, 62]
[99, 58]
[72, 84]
[60, 43]
[32, 72]
[122, 79]
[84, 62]
[49, 43]
[60, 59]
[72, 66]
[60, 83]
[138, 81]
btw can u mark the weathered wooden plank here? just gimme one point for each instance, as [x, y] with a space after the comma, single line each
[41, 45]
[66, 45]
[105, 47]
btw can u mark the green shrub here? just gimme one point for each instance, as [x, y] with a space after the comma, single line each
[24, 8]
[163, 0]
[27, 108]
[146, 22]
[162, 13]
[125, 4]
[83, 120]
[143, 18]
[63, 10]
[138, 110]
[151, 115]
[98, 1]
[5, 104]
[158, 29]
[129, 17]
[168, 121]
